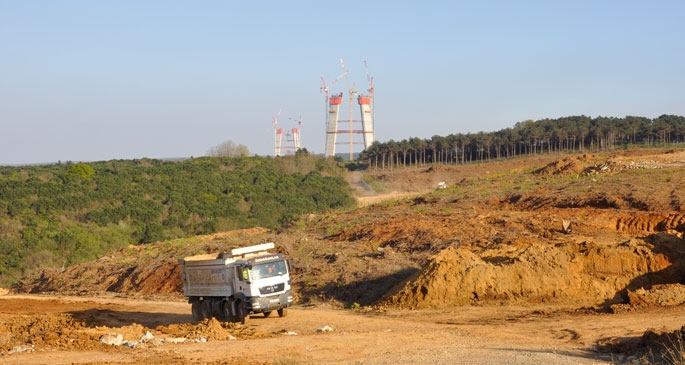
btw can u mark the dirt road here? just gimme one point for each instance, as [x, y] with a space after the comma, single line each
[516, 335]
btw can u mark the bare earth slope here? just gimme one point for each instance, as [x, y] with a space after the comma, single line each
[482, 268]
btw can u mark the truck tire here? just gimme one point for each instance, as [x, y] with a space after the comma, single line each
[267, 314]
[226, 311]
[197, 311]
[206, 309]
[243, 317]
[283, 312]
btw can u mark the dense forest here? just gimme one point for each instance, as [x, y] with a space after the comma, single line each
[65, 213]
[568, 134]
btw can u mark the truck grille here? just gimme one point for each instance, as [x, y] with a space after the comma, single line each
[272, 288]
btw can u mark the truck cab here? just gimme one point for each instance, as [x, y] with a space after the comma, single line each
[264, 284]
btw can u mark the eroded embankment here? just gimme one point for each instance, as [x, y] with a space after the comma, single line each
[569, 273]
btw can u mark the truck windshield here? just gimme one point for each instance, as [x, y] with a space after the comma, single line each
[268, 269]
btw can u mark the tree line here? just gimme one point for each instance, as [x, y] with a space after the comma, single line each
[66, 213]
[568, 134]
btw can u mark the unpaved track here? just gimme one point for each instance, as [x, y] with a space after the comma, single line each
[516, 335]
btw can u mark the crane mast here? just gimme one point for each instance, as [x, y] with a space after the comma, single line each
[366, 108]
[351, 91]
[278, 133]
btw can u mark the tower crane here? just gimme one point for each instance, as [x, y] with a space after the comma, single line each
[326, 88]
[352, 90]
[369, 78]
[298, 120]
[278, 133]
[274, 119]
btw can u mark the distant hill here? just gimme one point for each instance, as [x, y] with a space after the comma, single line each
[60, 214]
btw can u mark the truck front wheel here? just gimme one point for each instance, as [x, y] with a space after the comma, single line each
[283, 312]
[267, 314]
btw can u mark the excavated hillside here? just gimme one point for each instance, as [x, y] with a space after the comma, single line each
[601, 230]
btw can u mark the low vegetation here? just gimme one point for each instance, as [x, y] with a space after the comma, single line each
[61, 214]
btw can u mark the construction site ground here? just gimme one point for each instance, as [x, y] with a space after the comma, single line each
[561, 258]
[490, 334]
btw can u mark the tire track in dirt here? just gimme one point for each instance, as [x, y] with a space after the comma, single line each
[649, 223]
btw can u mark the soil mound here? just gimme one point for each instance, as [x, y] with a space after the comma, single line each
[47, 331]
[64, 331]
[568, 166]
[662, 346]
[664, 295]
[212, 330]
[588, 164]
[574, 273]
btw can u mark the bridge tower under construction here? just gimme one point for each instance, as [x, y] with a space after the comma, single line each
[367, 119]
[292, 138]
[363, 126]
[332, 124]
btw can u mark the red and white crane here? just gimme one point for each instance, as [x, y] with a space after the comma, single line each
[278, 133]
[326, 88]
[369, 78]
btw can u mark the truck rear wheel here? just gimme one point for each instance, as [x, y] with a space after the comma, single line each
[243, 317]
[267, 314]
[197, 311]
[226, 311]
[206, 309]
[283, 312]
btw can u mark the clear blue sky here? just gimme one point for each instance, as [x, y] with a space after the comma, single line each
[101, 80]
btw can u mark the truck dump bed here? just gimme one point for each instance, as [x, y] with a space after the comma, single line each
[207, 276]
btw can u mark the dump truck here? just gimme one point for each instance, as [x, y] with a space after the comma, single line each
[232, 286]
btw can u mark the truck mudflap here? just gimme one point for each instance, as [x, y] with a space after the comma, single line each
[273, 302]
